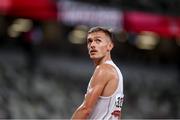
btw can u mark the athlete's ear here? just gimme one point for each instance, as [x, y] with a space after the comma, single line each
[110, 46]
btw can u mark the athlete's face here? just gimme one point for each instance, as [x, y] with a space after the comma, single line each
[98, 44]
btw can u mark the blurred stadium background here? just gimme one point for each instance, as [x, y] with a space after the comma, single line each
[45, 68]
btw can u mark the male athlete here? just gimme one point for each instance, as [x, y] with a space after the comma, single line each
[104, 96]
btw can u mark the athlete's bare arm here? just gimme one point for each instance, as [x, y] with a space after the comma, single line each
[101, 77]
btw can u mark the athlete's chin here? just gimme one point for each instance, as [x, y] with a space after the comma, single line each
[94, 57]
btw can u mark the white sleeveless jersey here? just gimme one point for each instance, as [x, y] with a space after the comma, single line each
[109, 108]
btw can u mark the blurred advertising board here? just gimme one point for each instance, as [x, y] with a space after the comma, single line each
[75, 13]
[165, 26]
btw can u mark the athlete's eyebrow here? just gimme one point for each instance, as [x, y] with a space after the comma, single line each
[89, 39]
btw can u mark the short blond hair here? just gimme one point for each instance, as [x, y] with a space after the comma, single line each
[105, 30]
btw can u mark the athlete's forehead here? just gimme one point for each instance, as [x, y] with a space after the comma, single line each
[96, 35]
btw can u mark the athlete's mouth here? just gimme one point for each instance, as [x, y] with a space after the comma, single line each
[93, 51]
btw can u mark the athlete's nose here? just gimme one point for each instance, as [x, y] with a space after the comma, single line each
[93, 44]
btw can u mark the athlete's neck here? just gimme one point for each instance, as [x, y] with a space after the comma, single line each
[102, 60]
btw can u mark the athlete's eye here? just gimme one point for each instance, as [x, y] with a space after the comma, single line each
[89, 40]
[98, 40]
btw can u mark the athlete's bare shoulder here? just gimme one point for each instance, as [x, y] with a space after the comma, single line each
[106, 70]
